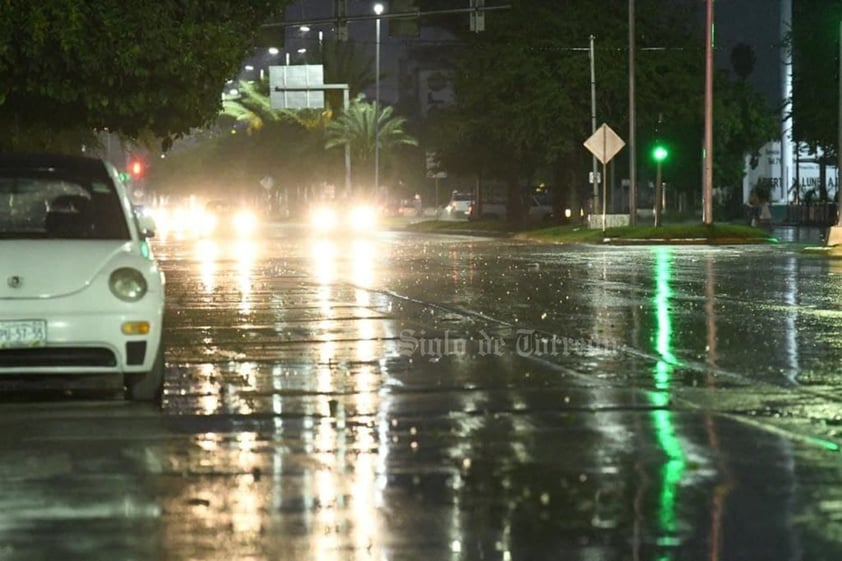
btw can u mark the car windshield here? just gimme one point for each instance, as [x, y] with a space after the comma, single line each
[48, 205]
[463, 197]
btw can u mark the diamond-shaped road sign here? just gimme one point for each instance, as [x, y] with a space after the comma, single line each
[604, 143]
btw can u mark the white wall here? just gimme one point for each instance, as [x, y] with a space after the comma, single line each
[769, 168]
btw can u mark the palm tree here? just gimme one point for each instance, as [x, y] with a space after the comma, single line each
[356, 128]
[251, 106]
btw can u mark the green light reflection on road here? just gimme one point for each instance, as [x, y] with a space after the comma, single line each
[662, 421]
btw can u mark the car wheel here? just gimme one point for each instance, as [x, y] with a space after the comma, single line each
[148, 386]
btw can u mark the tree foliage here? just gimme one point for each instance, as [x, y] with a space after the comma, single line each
[523, 98]
[292, 146]
[814, 41]
[358, 128]
[123, 65]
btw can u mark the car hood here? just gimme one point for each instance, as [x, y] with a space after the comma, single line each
[39, 269]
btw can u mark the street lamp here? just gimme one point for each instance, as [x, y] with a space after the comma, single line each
[378, 9]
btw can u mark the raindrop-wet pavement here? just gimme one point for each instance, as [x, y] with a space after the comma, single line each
[399, 397]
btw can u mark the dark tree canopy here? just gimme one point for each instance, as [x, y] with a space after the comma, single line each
[129, 66]
[815, 46]
[743, 60]
[522, 106]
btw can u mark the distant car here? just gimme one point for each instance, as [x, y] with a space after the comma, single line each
[227, 218]
[459, 205]
[539, 209]
[344, 216]
[80, 292]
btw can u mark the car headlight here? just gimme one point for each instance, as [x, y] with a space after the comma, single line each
[244, 222]
[128, 284]
[207, 224]
[362, 217]
[323, 219]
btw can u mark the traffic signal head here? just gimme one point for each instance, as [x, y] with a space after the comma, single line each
[136, 168]
[660, 153]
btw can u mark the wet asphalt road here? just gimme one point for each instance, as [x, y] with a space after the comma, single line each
[397, 397]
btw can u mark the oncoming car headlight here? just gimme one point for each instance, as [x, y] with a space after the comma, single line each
[323, 219]
[362, 218]
[244, 223]
[128, 284]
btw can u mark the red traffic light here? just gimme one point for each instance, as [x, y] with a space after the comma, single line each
[136, 168]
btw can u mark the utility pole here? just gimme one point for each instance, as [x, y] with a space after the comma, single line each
[839, 133]
[378, 9]
[834, 236]
[340, 12]
[594, 172]
[707, 172]
[632, 122]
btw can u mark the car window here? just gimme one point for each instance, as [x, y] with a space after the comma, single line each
[37, 205]
[463, 197]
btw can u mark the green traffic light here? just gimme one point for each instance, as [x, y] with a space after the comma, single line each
[660, 153]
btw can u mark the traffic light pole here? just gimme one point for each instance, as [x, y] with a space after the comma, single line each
[659, 194]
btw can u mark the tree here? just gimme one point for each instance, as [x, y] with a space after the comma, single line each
[523, 91]
[743, 60]
[814, 41]
[71, 67]
[523, 109]
[253, 140]
[250, 105]
[357, 127]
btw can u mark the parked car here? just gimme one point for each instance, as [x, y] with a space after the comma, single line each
[80, 292]
[539, 209]
[459, 205]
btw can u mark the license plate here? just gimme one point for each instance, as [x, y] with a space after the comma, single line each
[28, 333]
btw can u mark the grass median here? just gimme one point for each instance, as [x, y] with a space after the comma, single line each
[666, 234]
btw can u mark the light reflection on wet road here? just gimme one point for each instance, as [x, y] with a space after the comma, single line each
[401, 398]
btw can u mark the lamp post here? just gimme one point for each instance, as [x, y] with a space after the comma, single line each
[378, 9]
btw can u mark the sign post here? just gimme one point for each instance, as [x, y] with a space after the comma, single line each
[295, 87]
[604, 144]
[434, 172]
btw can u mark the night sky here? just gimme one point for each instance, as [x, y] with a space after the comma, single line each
[754, 22]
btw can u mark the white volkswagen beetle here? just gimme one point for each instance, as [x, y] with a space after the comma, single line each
[80, 293]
